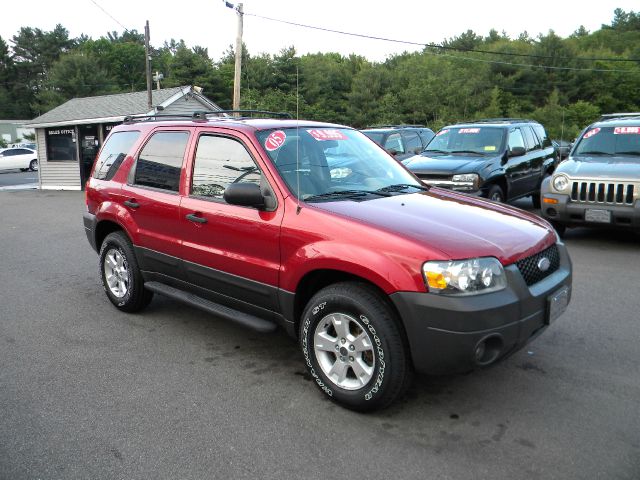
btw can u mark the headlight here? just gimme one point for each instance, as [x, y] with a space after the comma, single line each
[468, 181]
[560, 182]
[464, 277]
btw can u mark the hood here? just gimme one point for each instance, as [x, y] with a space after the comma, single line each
[459, 226]
[446, 164]
[622, 167]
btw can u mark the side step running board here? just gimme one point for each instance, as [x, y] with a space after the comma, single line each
[241, 318]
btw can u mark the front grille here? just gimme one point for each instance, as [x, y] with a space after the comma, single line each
[529, 266]
[603, 192]
[428, 176]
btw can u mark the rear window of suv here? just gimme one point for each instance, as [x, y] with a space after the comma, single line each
[113, 154]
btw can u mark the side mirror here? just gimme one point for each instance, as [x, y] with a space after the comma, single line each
[244, 194]
[417, 150]
[517, 152]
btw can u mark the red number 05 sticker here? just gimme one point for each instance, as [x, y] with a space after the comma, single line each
[275, 140]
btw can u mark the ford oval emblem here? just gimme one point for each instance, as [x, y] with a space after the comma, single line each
[543, 264]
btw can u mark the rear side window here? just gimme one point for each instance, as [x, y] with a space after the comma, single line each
[160, 162]
[542, 135]
[113, 153]
[219, 162]
[532, 140]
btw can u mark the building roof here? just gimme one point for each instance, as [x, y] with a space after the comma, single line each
[113, 108]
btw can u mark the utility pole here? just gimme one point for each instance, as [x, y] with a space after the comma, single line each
[148, 64]
[236, 75]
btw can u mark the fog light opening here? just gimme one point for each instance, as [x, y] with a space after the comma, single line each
[551, 212]
[488, 350]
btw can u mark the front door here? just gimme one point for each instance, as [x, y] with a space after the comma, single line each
[231, 250]
[89, 146]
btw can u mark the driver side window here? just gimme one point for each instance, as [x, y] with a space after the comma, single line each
[516, 139]
[219, 162]
[394, 142]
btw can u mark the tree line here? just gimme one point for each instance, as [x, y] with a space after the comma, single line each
[565, 83]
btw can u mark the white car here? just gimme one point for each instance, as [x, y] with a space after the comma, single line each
[22, 158]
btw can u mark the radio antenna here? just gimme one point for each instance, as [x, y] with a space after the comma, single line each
[298, 140]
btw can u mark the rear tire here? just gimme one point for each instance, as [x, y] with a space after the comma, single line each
[354, 347]
[120, 275]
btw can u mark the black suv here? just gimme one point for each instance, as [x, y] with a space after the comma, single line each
[401, 141]
[501, 159]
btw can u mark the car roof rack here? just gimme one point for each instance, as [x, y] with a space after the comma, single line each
[204, 115]
[503, 120]
[396, 126]
[617, 116]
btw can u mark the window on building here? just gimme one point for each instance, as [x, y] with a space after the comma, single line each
[113, 154]
[160, 161]
[61, 145]
[219, 162]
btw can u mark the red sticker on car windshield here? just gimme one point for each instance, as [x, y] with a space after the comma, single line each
[626, 130]
[327, 134]
[469, 130]
[275, 140]
[442, 132]
[591, 133]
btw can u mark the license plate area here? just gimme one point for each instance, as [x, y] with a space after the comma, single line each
[597, 215]
[557, 303]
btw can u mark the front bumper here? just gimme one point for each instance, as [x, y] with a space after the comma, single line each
[444, 332]
[569, 213]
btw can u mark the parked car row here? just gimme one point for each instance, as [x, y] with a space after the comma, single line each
[18, 158]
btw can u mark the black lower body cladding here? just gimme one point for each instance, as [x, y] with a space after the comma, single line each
[577, 214]
[453, 334]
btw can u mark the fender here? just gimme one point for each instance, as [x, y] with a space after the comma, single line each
[383, 269]
[117, 213]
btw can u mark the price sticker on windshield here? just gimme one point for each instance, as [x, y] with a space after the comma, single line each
[626, 130]
[327, 134]
[275, 140]
[442, 132]
[591, 133]
[469, 130]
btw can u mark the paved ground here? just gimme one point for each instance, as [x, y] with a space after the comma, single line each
[17, 180]
[87, 392]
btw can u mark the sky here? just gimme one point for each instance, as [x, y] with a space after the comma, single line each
[212, 25]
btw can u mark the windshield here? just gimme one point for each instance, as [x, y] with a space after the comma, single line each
[325, 163]
[610, 141]
[470, 140]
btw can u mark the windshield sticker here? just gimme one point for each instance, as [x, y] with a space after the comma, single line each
[490, 148]
[626, 130]
[469, 130]
[327, 134]
[275, 140]
[443, 132]
[591, 133]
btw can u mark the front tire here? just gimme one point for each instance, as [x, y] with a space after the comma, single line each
[354, 348]
[33, 165]
[120, 275]
[496, 194]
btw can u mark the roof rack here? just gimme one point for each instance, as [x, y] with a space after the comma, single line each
[203, 115]
[614, 116]
[397, 126]
[503, 120]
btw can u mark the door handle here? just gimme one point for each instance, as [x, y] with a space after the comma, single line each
[195, 217]
[131, 203]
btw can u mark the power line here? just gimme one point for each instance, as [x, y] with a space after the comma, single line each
[109, 15]
[445, 47]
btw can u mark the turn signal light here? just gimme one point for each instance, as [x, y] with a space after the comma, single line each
[552, 201]
[436, 280]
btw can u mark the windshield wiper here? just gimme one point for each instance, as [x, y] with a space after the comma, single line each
[630, 152]
[595, 152]
[345, 194]
[398, 187]
[435, 151]
[468, 151]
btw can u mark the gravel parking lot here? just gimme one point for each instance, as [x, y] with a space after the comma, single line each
[89, 392]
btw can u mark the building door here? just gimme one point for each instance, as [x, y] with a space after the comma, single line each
[89, 145]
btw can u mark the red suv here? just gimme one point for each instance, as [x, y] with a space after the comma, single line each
[312, 227]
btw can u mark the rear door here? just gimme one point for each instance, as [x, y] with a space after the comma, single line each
[152, 196]
[231, 250]
[535, 157]
[517, 169]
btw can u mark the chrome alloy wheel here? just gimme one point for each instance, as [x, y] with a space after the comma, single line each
[116, 273]
[344, 351]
